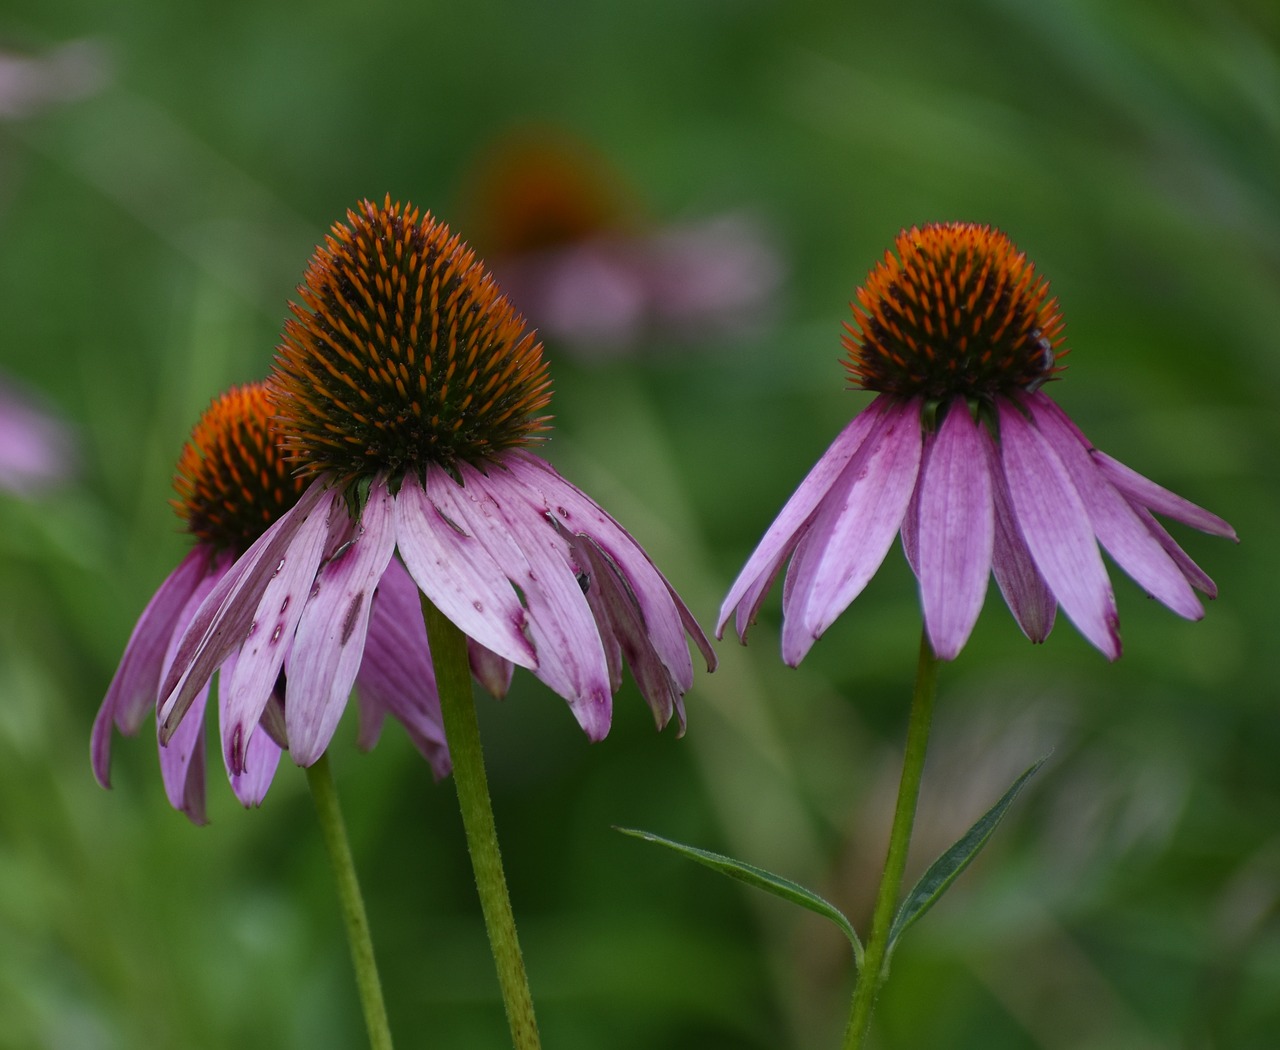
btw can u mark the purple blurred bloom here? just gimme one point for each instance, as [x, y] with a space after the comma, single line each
[232, 482]
[954, 328]
[36, 448]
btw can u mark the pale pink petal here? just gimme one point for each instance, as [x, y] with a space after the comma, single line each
[270, 635]
[1191, 572]
[519, 537]
[782, 536]
[854, 528]
[1118, 528]
[182, 758]
[454, 570]
[911, 519]
[329, 644]
[664, 615]
[1057, 530]
[957, 530]
[133, 689]
[1024, 589]
[396, 674]
[1147, 493]
[182, 762]
[222, 623]
[261, 753]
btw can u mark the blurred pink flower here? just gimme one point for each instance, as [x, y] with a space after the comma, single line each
[977, 468]
[36, 448]
[567, 247]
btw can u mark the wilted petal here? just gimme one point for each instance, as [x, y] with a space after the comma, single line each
[331, 634]
[133, 689]
[782, 536]
[396, 674]
[271, 631]
[454, 570]
[261, 753]
[1025, 591]
[1148, 494]
[518, 536]
[956, 531]
[1056, 527]
[664, 615]
[854, 528]
[1118, 528]
[222, 623]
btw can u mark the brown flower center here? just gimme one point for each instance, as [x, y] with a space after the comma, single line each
[403, 353]
[958, 312]
[232, 480]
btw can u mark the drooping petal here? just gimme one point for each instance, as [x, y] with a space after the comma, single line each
[1118, 528]
[133, 689]
[222, 622]
[270, 635]
[537, 560]
[957, 529]
[1191, 572]
[454, 570]
[782, 536]
[665, 616]
[1025, 591]
[624, 631]
[1147, 493]
[261, 753]
[854, 528]
[1056, 526]
[331, 634]
[182, 759]
[396, 674]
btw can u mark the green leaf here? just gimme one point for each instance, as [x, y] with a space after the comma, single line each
[944, 871]
[761, 879]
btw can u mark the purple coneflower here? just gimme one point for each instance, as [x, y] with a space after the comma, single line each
[408, 393]
[980, 471]
[232, 483]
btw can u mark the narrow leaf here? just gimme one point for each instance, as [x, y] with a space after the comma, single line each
[944, 871]
[761, 879]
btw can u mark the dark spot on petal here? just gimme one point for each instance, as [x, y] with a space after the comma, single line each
[349, 621]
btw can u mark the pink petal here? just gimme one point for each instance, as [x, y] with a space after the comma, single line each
[957, 529]
[133, 689]
[1191, 572]
[1025, 592]
[1056, 527]
[782, 536]
[271, 631]
[331, 634]
[455, 571]
[665, 617]
[518, 536]
[854, 528]
[222, 623]
[490, 669]
[261, 754]
[396, 674]
[1118, 528]
[1148, 494]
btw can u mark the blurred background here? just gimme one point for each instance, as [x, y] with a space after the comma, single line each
[682, 195]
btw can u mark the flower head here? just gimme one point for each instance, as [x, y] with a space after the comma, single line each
[966, 457]
[232, 484]
[409, 393]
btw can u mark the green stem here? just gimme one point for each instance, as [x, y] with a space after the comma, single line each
[453, 681]
[873, 971]
[325, 795]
